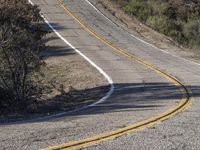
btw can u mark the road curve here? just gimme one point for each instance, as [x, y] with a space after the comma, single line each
[140, 93]
[183, 104]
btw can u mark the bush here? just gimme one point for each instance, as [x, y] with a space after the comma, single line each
[192, 32]
[121, 2]
[159, 23]
[177, 19]
[138, 8]
[20, 46]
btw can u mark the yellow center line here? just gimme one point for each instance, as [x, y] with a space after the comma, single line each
[183, 104]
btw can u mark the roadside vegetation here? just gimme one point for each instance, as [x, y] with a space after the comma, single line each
[178, 19]
[21, 42]
[36, 78]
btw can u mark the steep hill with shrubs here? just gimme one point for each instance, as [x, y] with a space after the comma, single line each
[178, 19]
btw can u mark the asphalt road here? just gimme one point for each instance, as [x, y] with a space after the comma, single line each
[139, 94]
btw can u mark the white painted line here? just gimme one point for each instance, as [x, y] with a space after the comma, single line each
[99, 11]
[195, 63]
[108, 94]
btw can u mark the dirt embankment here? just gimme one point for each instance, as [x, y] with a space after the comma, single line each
[72, 80]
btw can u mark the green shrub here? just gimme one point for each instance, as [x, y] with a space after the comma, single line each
[138, 8]
[121, 2]
[159, 24]
[192, 32]
[177, 19]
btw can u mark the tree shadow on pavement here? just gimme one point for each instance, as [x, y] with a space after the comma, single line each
[56, 51]
[126, 97]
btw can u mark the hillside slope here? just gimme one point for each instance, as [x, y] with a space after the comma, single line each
[178, 19]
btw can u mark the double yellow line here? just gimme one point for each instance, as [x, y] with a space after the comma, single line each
[183, 104]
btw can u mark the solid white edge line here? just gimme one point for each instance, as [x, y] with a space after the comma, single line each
[139, 39]
[99, 11]
[108, 94]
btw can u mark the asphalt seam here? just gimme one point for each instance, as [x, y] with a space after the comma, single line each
[183, 104]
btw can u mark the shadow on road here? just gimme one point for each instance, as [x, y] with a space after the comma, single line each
[126, 97]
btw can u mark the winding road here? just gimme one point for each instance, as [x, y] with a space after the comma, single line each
[148, 86]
